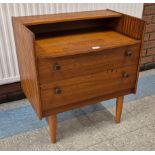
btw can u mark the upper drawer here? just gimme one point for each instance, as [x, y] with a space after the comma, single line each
[72, 66]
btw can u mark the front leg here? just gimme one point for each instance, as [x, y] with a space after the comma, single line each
[52, 121]
[119, 106]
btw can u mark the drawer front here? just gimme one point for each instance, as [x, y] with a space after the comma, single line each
[69, 91]
[68, 67]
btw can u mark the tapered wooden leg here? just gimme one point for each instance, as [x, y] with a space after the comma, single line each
[119, 106]
[52, 121]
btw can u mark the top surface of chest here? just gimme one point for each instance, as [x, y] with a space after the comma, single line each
[73, 43]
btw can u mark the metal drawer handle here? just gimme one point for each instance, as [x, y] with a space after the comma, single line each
[126, 75]
[56, 66]
[57, 90]
[128, 53]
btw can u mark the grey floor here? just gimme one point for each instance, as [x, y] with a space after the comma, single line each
[84, 129]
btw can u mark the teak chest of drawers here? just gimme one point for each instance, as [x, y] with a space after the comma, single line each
[73, 59]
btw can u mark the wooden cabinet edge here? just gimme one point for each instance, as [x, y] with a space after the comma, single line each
[142, 43]
[17, 29]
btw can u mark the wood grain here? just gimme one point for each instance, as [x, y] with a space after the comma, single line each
[52, 121]
[67, 39]
[24, 40]
[65, 17]
[66, 45]
[83, 103]
[128, 25]
[71, 60]
[85, 87]
[132, 27]
[119, 106]
[86, 64]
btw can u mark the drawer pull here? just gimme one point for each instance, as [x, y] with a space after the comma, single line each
[126, 75]
[128, 53]
[56, 67]
[57, 90]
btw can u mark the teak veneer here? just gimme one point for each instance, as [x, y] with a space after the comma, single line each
[71, 60]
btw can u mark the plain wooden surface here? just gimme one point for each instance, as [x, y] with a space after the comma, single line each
[24, 40]
[66, 45]
[64, 17]
[86, 64]
[119, 106]
[52, 121]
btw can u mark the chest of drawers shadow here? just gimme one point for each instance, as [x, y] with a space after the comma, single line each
[71, 60]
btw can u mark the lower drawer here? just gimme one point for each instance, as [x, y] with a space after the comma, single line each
[78, 89]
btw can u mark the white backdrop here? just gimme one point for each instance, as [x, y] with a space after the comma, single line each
[8, 60]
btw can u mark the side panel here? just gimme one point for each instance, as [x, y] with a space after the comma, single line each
[130, 26]
[134, 28]
[24, 40]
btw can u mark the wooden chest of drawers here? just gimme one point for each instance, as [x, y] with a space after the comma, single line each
[73, 59]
